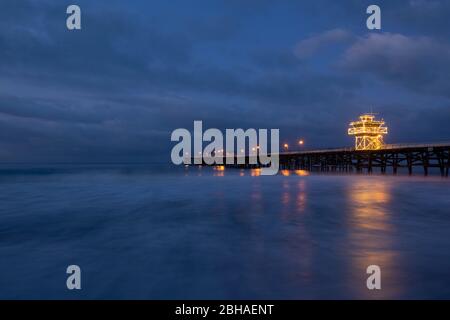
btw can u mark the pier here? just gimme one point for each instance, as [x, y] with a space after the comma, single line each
[369, 154]
[412, 158]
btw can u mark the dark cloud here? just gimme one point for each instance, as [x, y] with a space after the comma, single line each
[418, 63]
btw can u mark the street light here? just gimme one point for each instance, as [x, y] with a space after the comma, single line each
[286, 146]
[301, 142]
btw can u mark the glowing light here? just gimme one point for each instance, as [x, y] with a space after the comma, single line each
[286, 146]
[255, 172]
[285, 173]
[301, 142]
[301, 173]
[368, 132]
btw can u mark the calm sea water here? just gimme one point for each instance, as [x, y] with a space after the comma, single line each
[176, 233]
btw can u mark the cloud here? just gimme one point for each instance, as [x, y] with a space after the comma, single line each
[308, 47]
[415, 62]
[426, 4]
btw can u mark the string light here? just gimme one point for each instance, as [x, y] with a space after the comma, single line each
[368, 132]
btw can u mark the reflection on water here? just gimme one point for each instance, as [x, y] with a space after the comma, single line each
[370, 200]
[372, 236]
[286, 195]
[301, 196]
[219, 171]
[293, 189]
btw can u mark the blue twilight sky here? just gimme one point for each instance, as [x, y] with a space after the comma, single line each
[137, 70]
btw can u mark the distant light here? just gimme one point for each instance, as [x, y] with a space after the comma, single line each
[286, 146]
[285, 173]
[301, 172]
[301, 142]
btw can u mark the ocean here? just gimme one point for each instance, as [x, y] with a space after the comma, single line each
[158, 232]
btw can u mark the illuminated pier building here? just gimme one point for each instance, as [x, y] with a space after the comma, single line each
[368, 132]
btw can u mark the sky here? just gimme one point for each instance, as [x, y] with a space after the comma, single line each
[137, 70]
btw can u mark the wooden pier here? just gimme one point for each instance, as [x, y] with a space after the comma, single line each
[391, 158]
